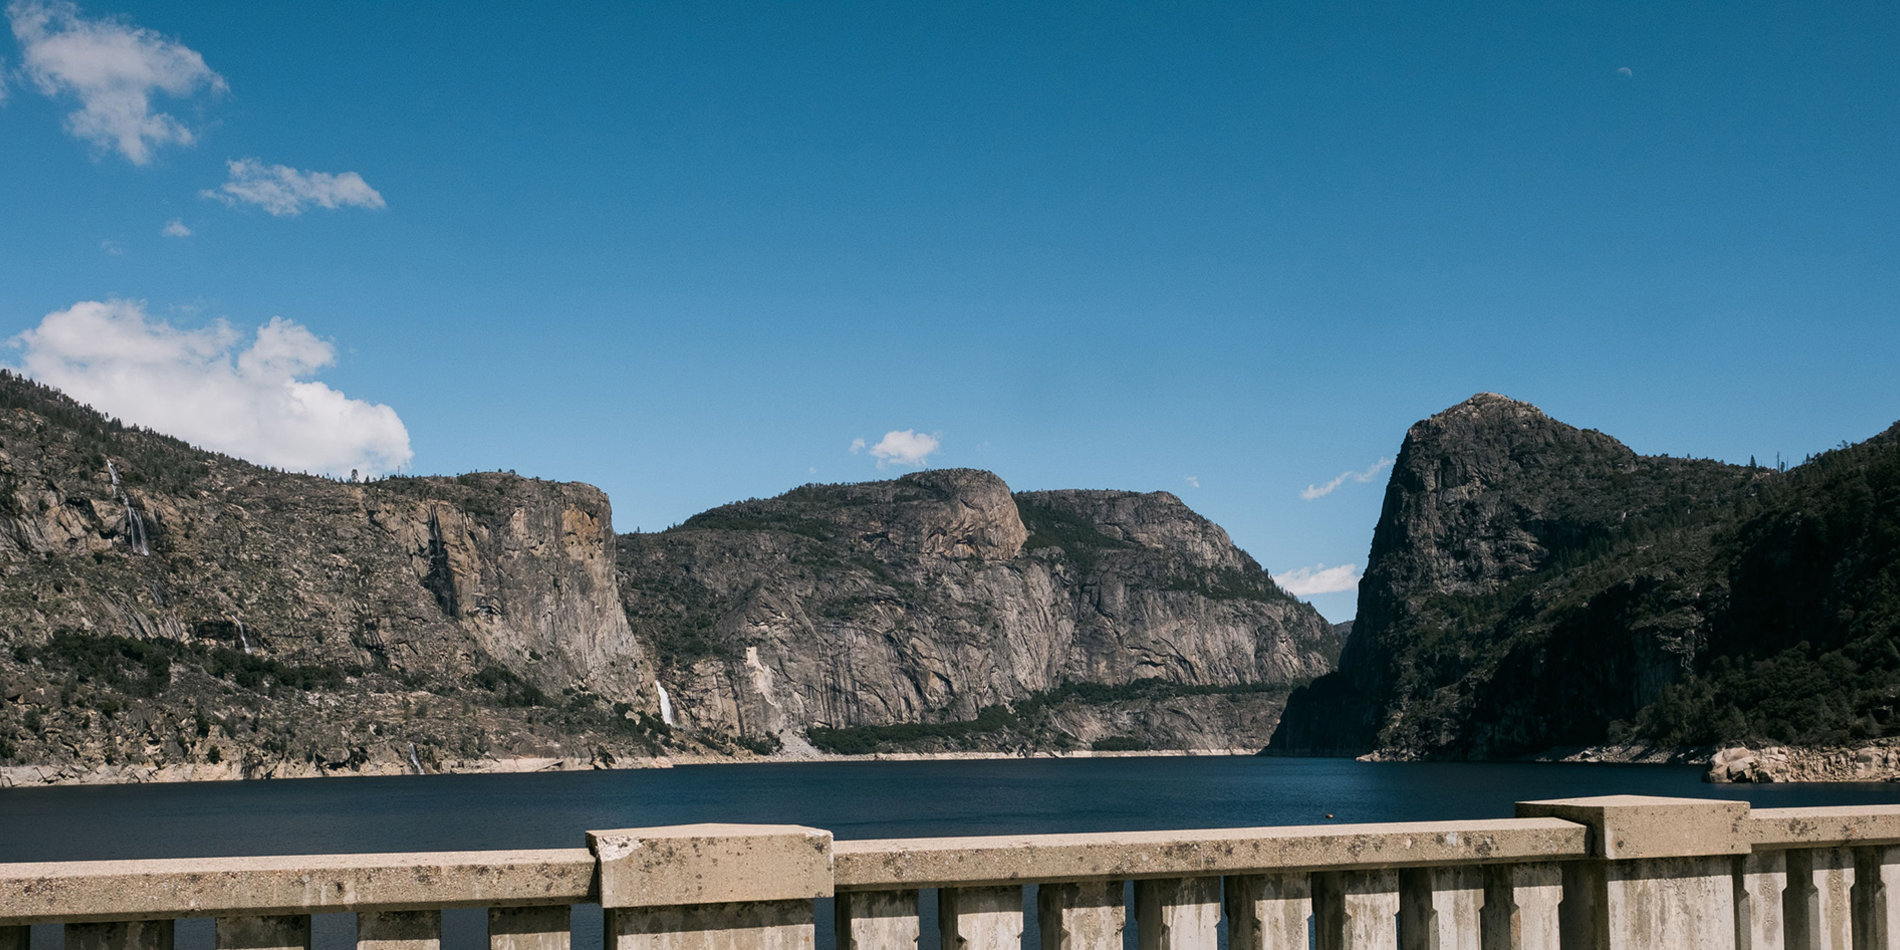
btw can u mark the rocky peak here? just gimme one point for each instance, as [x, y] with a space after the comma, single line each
[1155, 520]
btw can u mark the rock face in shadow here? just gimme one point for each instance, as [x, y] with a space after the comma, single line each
[1509, 602]
[933, 596]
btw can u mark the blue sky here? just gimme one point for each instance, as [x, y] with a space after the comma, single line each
[691, 252]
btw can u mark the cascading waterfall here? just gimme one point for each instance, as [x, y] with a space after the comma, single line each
[134, 522]
[243, 640]
[413, 763]
[666, 705]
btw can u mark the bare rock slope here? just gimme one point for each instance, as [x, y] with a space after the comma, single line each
[936, 596]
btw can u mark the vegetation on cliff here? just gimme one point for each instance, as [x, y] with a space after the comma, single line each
[1533, 586]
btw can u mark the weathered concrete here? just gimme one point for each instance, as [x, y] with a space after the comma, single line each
[1083, 915]
[529, 928]
[1823, 827]
[957, 862]
[1356, 910]
[709, 864]
[1643, 826]
[290, 884]
[1877, 914]
[1760, 879]
[1818, 903]
[980, 918]
[1268, 911]
[1177, 913]
[287, 932]
[1520, 906]
[399, 930]
[878, 920]
[748, 925]
[1439, 908]
[121, 935]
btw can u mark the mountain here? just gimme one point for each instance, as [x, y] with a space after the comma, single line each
[1121, 619]
[171, 613]
[1533, 586]
[163, 606]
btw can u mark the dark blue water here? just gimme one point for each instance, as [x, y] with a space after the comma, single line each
[853, 800]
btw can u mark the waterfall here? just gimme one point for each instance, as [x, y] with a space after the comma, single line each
[412, 759]
[666, 705]
[135, 534]
[242, 639]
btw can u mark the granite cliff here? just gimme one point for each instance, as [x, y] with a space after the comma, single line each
[163, 607]
[1533, 586]
[171, 613]
[942, 598]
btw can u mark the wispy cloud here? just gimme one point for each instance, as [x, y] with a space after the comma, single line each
[175, 228]
[1311, 492]
[1318, 579]
[112, 247]
[1193, 481]
[114, 69]
[211, 386]
[285, 191]
[900, 447]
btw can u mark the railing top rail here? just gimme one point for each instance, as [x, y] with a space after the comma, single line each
[1823, 826]
[1012, 859]
[291, 884]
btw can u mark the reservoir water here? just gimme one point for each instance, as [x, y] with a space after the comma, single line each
[852, 799]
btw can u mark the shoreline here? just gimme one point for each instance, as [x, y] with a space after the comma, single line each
[52, 776]
[1872, 763]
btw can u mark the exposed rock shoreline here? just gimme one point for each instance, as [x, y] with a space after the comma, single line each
[1875, 762]
[32, 776]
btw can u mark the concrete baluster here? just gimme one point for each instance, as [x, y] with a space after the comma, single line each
[1438, 908]
[1662, 874]
[263, 933]
[1356, 910]
[712, 887]
[399, 930]
[1877, 911]
[1177, 913]
[529, 928]
[1081, 916]
[14, 938]
[877, 920]
[1819, 899]
[1760, 879]
[1269, 911]
[980, 918]
[124, 935]
[1521, 906]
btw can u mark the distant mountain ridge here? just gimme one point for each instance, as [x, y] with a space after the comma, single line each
[936, 595]
[172, 613]
[1532, 586]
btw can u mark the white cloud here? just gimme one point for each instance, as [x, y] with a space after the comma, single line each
[175, 228]
[212, 387]
[857, 445]
[1193, 481]
[1318, 579]
[113, 68]
[908, 447]
[112, 247]
[283, 190]
[1311, 492]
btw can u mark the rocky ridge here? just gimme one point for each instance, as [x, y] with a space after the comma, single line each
[1533, 586]
[940, 594]
[168, 613]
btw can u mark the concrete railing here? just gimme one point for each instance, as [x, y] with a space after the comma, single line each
[1612, 873]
